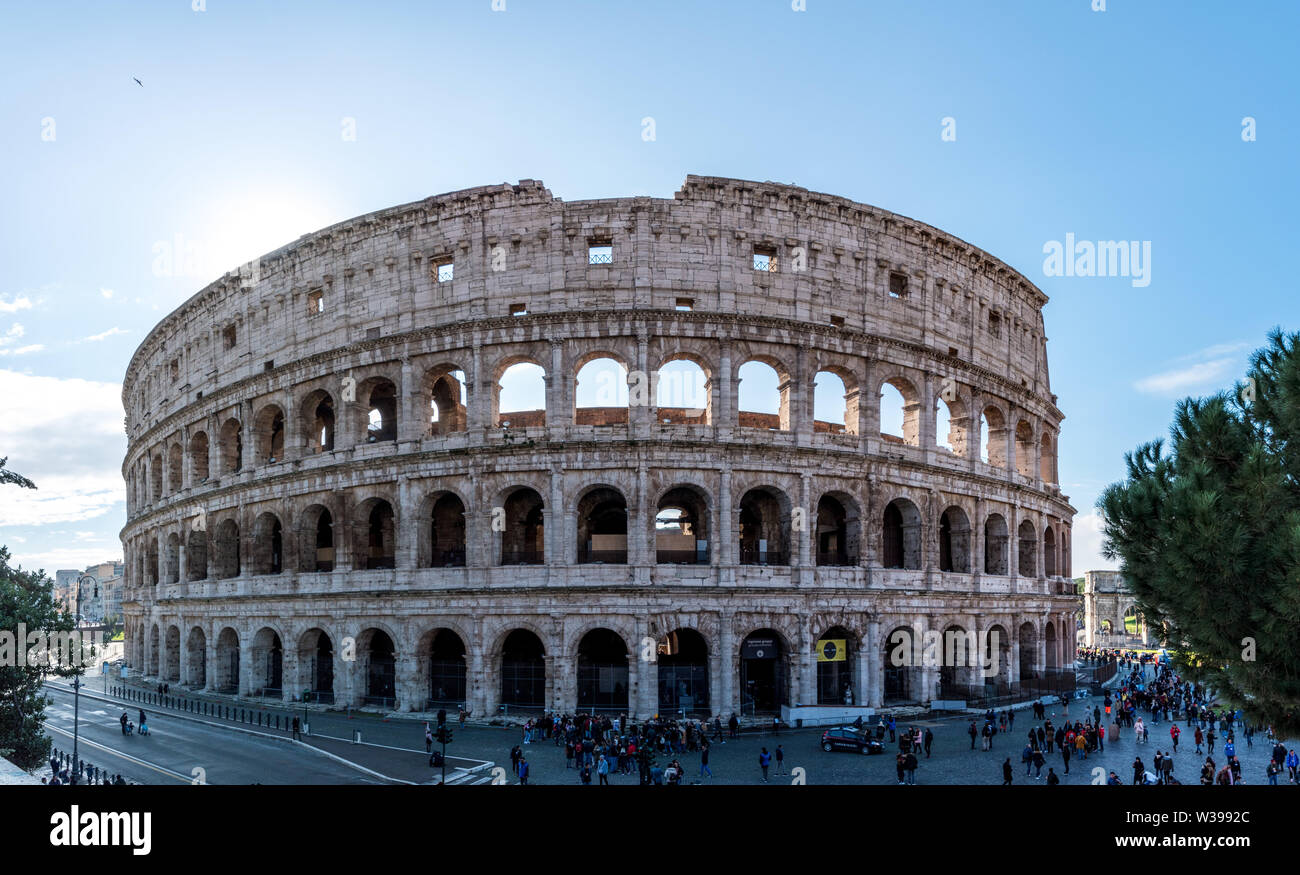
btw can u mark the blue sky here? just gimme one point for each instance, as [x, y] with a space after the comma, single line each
[1117, 125]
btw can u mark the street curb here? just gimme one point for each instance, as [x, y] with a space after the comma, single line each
[290, 741]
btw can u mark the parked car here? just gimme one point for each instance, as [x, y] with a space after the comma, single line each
[850, 739]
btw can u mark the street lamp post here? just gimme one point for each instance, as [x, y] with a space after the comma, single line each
[76, 689]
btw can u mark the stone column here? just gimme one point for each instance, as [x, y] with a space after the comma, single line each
[407, 684]
[724, 551]
[809, 525]
[727, 701]
[556, 517]
[245, 664]
[928, 411]
[559, 408]
[209, 660]
[288, 671]
[873, 686]
[724, 414]
[404, 551]
[641, 527]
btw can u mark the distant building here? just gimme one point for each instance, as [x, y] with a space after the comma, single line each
[1110, 614]
[101, 595]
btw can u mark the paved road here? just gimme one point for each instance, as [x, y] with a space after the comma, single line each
[176, 747]
[400, 753]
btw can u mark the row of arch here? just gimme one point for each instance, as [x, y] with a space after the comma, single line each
[679, 391]
[443, 668]
[769, 530]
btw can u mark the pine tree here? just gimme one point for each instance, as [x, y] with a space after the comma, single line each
[1208, 536]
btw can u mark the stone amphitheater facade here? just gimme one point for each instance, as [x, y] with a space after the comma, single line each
[315, 510]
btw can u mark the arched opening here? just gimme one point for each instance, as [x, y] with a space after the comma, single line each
[836, 651]
[316, 533]
[762, 673]
[1049, 552]
[1028, 651]
[523, 670]
[175, 466]
[172, 664]
[380, 404]
[943, 425]
[996, 542]
[523, 539]
[602, 672]
[232, 447]
[997, 650]
[960, 652]
[954, 541]
[1024, 449]
[683, 658]
[682, 527]
[763, 397]
[267, 654]
[444, 654]
[448, 401]
[1028, 549]
[521, 396]
[1047, 459]
[151, 563]
[898, 658]
[682, 394]
[835, 407]
[1132, 622]
[602, 527]
[154, 668]
[268, 545]
[446, 532]
[900, 412]
[764, 526]
[316, 666]
[318, 419]
[226, 545]
[268, 435]
[901, 535]
[174, 559]
[836, 532]
[226, 670]
[196, 646]
[196, 555]
[600, 393]
[156, 476]
[199, 457]
[993, 437]
[378, 655]
[378, 541]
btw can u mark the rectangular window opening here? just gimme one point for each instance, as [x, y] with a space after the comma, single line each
[765, 259]
[228, 337]
[685, 305]
[600, 251]
[445, 270]
[897, 284]
[518, 309]
[316, 301]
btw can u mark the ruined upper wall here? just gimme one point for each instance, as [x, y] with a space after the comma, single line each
[518, 245]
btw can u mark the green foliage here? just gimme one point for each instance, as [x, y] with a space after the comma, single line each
[27, 600]
[14, 478]
[1208, 536]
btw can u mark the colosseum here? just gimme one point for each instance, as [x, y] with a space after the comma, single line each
[374, 468]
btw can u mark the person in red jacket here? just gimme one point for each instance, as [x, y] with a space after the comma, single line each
[1174, 732]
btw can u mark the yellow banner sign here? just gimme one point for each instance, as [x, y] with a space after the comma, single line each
[832, 650]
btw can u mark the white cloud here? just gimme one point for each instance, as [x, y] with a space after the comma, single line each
[22, 302]
[1182, 380]
[67, 436]
[75, 557]
[103, 334]
[24, 350]
[107, 293]
[1085, 540]
[14, 333]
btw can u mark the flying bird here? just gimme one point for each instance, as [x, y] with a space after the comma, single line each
[137, 81]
